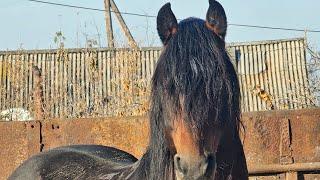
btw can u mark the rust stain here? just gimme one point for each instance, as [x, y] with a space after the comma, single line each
[19, 140]
[129, 134]
[285, 142]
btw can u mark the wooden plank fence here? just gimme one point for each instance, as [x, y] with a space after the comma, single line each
[106, 82]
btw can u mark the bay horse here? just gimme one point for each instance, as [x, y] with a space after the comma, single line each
[194, 115]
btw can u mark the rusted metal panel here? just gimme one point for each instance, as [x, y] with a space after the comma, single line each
[19, 140]
[129, 134]
[269, 136]
[263, 135]
[283, 137]
[306, 136]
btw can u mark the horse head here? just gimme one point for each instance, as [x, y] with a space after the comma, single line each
[195, 91]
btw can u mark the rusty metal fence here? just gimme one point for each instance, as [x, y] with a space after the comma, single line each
[278, 145]
[105, 82]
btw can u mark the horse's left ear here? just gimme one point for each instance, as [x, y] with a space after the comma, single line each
[167, 24]
[216, 19]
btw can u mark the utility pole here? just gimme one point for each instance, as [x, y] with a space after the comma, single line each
[109, 29]
[123, 25]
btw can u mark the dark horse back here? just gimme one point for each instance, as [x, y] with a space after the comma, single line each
[73, 162]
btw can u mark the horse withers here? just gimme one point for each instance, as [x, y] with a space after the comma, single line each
[194, 115]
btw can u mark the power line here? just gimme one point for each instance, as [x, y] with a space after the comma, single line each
[88, 8]
[152, 16]
[275, 28]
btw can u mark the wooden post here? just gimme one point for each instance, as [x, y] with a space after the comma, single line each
[38, 94]
[109, 28]
[123, 25]
[292, 176]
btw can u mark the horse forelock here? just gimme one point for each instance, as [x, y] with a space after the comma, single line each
[195, 77]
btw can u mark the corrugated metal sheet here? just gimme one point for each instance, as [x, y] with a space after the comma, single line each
[278, 68]
[87, 82]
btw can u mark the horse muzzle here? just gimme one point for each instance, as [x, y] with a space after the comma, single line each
[195, 168]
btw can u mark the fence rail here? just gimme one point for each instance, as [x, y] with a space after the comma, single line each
[94, 82]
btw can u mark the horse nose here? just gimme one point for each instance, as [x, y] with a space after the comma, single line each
[187, 167]
[180, 165]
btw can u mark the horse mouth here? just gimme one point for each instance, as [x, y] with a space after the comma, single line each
[208, 175]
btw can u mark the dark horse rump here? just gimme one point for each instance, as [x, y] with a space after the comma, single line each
[73, 162]
[194, 114]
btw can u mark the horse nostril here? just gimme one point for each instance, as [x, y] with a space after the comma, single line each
[210, 165]
[203, 166]
[180, 165]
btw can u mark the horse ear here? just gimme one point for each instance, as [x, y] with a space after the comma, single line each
[216, 19]
[167, 24]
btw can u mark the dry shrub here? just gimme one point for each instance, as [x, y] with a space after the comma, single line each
[132, 90]
[314, 76]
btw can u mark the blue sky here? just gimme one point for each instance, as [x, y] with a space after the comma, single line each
[33, 26]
